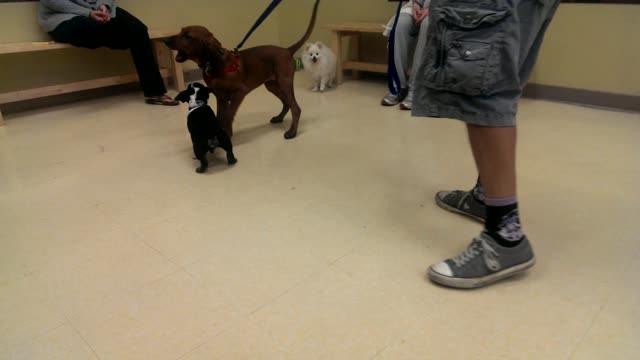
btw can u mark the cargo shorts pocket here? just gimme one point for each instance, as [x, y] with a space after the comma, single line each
[466, 49]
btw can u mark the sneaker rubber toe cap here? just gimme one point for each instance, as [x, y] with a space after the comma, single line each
[442, 269]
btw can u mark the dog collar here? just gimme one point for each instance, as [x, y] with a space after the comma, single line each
[196, 105]
[235, 67]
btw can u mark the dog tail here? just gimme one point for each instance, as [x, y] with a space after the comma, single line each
[295, 47]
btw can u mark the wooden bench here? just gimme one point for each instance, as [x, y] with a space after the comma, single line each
[353, 30]
[169, 68]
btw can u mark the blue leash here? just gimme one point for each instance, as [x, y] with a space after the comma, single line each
[392, 72]
[262, 17]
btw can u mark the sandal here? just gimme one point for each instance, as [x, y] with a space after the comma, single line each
[162, 100]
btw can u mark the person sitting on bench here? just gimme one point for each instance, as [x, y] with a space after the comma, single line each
[95, 23]
[410, 41]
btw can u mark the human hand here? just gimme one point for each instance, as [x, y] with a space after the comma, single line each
[99, 16]
[105, 10]
[419, 14]
[417, 10]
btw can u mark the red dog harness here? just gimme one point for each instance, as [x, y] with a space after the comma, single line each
[235, 67]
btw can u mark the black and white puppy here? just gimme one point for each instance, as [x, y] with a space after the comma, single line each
[204, 126]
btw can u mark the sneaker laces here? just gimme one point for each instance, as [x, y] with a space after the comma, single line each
[464, 195]
[452, 195]
[477, 247]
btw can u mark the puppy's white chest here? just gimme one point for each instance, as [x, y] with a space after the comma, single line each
[194, 103]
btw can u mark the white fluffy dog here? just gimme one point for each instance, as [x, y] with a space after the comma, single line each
[320, 61]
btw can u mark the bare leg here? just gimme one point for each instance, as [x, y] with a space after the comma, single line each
[504, 248]
[494, 150]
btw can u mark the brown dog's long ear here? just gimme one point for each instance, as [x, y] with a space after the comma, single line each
[213, 41]
[213, 46]
[214, 54]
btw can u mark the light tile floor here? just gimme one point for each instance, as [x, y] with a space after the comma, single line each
[316, 248]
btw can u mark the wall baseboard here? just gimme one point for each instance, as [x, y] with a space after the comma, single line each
[533, 91]
[583, 97]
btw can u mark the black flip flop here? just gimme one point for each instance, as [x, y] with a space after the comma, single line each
[161, 101]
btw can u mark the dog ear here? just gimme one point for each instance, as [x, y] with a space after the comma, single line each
[208, 90]
[214, 53]
[213, 42]
[213, 46]
[183, 96]
[319, 45]
[307, 47]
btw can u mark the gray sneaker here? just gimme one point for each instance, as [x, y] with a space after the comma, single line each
[462, 202]
[407, 103]
[483, 263]
[393, 100]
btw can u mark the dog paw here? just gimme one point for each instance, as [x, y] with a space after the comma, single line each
[290, 134]
[232, 161]
[315, 89]
[276, 120]
[201, 170]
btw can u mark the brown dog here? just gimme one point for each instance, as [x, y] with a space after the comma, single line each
[232, 75]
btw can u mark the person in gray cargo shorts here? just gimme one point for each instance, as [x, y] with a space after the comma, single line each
[479, 56]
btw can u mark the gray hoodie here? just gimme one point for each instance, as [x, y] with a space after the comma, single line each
[52, 13]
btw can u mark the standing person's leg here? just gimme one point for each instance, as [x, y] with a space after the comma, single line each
[127, 32]
[494, 151]
[480, 83]
[404, 43]
[471, 203]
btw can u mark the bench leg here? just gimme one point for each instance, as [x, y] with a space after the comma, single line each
[177, 72]
[157, 52]
[336, 44]
[355, 51]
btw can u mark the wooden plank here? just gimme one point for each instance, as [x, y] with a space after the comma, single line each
[166, 59]
[177, 72]
[336, 45]
[31, 46]
[161, 34]
[22, 47]
[365, 66]
[355, 52]
[361, 27]
[174, 71]
[71, 87]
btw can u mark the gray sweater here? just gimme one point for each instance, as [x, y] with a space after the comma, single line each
[52, 13]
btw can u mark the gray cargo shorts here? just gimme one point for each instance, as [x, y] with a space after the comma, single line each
[478, 58]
